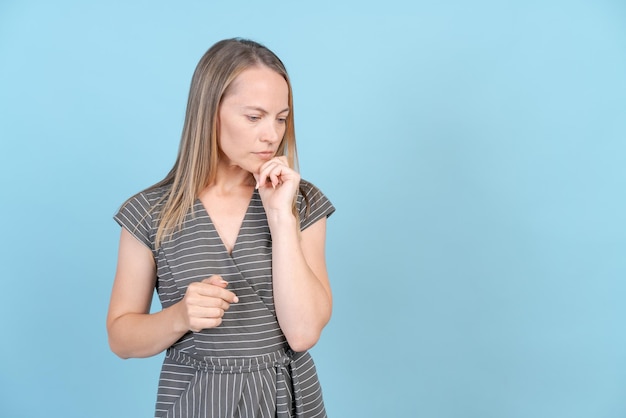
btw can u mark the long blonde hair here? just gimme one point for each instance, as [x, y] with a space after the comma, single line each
[196, 163]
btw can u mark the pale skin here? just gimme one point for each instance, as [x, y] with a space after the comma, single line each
[252, 124]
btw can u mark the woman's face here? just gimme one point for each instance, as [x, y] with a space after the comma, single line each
[252, 118]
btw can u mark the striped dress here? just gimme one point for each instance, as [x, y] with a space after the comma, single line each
[244, 367]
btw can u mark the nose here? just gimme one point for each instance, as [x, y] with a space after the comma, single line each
[272, 132]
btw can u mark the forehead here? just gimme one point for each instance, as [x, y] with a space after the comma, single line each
[258, 81]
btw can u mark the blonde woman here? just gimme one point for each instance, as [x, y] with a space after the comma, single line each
[233, 241]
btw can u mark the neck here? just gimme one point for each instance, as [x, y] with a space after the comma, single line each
[229, 178]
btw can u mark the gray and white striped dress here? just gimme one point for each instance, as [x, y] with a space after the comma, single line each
[244, 367]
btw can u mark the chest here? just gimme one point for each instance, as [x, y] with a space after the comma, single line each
[227, 214]
[197, 251]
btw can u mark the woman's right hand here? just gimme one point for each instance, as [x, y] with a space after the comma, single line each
[205, 302]
[133, 330]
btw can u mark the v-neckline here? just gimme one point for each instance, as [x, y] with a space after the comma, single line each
[204, 210]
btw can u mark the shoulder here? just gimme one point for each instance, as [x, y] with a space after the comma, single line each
[141, 212]
[308, 189]
[312, 204]
[146, 201]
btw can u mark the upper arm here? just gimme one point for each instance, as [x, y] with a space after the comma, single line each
[135, 278]
[313, 244]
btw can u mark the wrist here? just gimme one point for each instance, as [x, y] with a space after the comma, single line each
[280, 218]
[178, 317]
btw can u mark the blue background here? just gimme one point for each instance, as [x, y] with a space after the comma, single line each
[474, 149]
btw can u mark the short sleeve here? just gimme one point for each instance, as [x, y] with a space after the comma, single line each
[313, 205]
[136, 217]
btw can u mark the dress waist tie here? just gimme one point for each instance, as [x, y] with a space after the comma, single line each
[282, 361]
[285, 364]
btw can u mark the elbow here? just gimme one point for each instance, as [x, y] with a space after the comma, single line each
[118, 349]
[303, 342]
[304, 337]
[116, 342]
[121, 355]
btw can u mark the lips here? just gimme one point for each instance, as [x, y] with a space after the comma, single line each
[266, 155]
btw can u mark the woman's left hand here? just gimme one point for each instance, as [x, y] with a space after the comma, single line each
[277, 184]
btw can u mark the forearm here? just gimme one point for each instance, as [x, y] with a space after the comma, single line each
[303, 304]
[145, 335]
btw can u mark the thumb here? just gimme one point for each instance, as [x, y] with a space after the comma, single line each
[216, 281]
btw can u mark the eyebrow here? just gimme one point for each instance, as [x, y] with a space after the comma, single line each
[260, 109]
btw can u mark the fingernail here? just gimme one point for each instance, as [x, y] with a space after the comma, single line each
[235, 299]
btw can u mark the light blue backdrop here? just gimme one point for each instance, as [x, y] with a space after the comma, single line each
[475, 152]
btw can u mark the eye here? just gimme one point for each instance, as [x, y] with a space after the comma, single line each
[282, 120]
[253, 118]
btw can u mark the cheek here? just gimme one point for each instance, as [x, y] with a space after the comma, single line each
[283, 130]
[227, 134]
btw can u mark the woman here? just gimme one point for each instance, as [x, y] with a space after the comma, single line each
[233, 240]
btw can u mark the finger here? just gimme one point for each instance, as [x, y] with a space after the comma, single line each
[198, 324]
[273, 173]
[283, 160]
[207, 302]
[264, 173]
[269, 165]
[225, 295]
[216, 281]
[275, 179]
[204, 289]
[200, 312]
[256, 179]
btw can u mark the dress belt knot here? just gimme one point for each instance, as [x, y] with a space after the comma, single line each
[285, 366]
